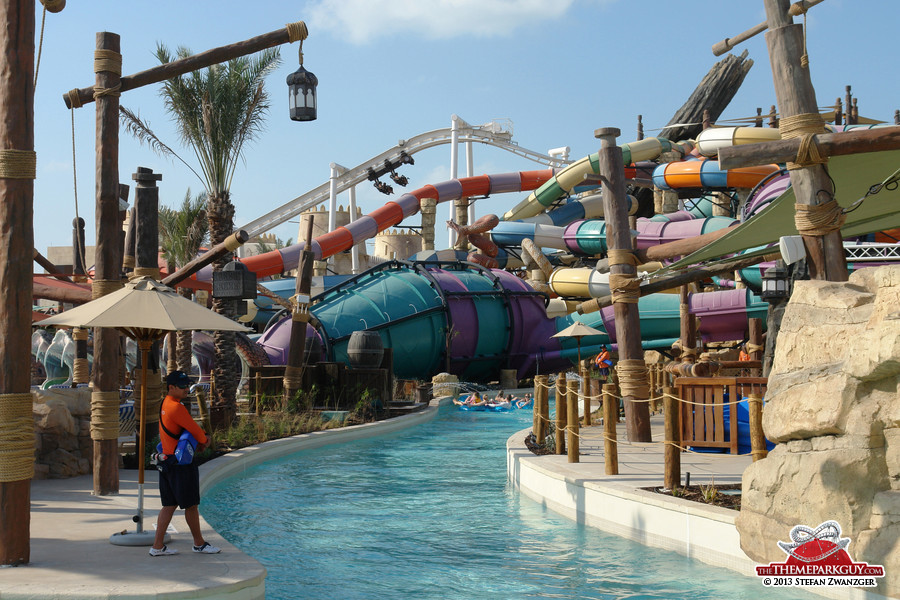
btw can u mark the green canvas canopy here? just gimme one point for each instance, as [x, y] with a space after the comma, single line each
[853, 177]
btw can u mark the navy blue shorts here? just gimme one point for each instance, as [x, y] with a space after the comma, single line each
[178, 484]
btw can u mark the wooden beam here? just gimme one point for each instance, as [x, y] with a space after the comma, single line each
[829, 144]
[231, 243]
[50, 267]
[108, 260]
[727, 44]
[618, 237]
[70, 295]
[191, 63]
[16, 247]
[796, 96]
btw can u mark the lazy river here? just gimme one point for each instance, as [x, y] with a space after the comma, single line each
[427, 513]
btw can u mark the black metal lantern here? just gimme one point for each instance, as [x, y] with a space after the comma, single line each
[302, 94]
[234, 281]
[775, 283]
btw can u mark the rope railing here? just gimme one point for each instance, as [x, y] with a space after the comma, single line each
[612, 401]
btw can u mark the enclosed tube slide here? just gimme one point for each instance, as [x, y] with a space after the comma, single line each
[707, 174]
[589, 237]
[389, 215]
[712, 138]
[472, 322]
[565, 181]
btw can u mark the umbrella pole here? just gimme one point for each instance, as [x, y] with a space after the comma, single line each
[139, 537]
[145, 346]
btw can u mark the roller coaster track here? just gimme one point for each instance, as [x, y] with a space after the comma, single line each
[495, 134]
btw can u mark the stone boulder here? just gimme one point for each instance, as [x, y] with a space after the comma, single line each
[63, 445]
[832, 407]
[445, 384]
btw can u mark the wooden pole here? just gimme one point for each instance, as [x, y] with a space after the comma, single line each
[50, 267]
[191, 63]
[16, 248]
[146, 255]
[572, 421]
[829, 144]
[78, 267]
[688, 339]
[545, 408]
[592, 389]
[537, 423]
[231, 243]
[796, 96]
[108, 260]
[727, 44]
[756, 343]
[618, 238]
[610, 418]
[757, 437]
[300, 318]
[672, 427]
[561, 414]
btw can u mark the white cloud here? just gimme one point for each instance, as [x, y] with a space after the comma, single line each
[361, 21]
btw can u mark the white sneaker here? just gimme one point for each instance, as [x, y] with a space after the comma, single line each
[164, 551]
[207, 548]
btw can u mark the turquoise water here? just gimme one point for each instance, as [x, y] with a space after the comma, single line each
[427, 514]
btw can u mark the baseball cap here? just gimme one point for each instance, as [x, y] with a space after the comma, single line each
[178, 378]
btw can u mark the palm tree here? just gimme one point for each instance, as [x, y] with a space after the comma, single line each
[182, 232]
[216, 111]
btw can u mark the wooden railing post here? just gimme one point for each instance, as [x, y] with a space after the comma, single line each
[672, 409]
[572, 420]
[539, 424]
[561, 414]
[593, 391]
[610, 418]
[757, 437]
[586, 394]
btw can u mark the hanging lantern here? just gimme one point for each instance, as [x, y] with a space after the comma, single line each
[302, 93]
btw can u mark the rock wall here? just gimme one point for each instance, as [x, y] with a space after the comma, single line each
[833, 407]
[62, 433]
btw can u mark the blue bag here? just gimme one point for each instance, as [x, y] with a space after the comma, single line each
[184, 449]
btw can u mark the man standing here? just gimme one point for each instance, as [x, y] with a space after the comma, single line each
[603, 362]
[179, 485]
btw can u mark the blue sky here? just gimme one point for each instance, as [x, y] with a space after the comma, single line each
[391, 69]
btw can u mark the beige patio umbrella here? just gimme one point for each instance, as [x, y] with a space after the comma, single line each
[144, 310]
[577, 330]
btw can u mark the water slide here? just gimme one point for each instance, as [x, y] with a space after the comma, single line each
[472, 322]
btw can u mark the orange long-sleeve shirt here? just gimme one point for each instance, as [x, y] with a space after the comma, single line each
[176, 419]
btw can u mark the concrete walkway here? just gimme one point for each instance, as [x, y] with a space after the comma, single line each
[619, 505]
[71, 556]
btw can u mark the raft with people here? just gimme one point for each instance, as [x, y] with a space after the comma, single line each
[477, 402]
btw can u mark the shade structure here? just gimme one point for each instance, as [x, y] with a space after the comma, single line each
[144, 310]
[578, 330]
[854, 176]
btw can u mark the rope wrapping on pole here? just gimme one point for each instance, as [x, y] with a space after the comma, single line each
[18, 164]
[16, 437]
[819, 219]
[105, 415]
